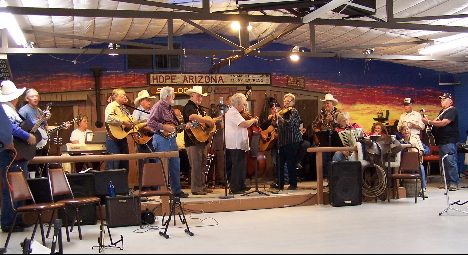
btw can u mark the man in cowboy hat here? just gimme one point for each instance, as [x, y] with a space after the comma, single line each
[9, 98]
[323, 125]
[410, 118]
[447, 137]
[143, 103]
[193, 112]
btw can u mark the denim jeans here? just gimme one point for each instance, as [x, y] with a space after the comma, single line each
[7, 211]
[162, 144]
[288, 153]
[450, 162]
[117, 147]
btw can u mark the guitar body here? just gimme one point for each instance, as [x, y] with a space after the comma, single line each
[24, 150]
[270, 141]
[142, 137]
[167, 134]
[200, 132]
[120, 132]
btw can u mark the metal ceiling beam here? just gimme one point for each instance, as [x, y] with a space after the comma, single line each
[455, 16]
[267, 40]
[164, 5]
[93, 39]
[389, 25]
[221, 53]
[219, 37]
[377, 45]
[146, 14]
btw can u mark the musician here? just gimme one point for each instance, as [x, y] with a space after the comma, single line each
[196, 150]
[78, 136]
[344, 124]
[271, 122]
[410, 118]
[237, 142]
[447, 137]
[378, 129]
[325, 123]
[144, 102]
[162, 112]
[415, 141]
[289, 139]
[184, 161]
[32, 112]
[10, 121]
[117, 115]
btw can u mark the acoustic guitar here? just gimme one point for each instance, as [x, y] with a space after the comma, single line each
[24, 150]
[120, 132]
[269, 142]
[200, 132]
[167, 134]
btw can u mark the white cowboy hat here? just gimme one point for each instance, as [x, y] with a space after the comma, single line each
[196, 89]
[329, 97]
[142, 95]
[8, 91]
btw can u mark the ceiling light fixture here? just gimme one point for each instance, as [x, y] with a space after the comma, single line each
[113, 46]
[236, 26]
[12, 26]
[294, 56]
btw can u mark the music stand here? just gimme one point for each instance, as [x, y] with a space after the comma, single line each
[254, 146]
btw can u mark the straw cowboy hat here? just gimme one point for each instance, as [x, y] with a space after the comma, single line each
[329, 97]
[142, 95]
[196, 89]
[8, 91]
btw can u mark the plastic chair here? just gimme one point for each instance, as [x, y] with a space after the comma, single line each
[19, 191]
[410, 168]
[59, 185]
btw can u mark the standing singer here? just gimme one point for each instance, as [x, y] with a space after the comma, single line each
[326, 122]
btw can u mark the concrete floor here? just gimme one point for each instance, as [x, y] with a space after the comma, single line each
[399, 226]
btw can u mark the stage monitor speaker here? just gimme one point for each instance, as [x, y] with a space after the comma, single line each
[118, 177]
[82, 185]
[345, 179]
[123, 211]
[40, 190]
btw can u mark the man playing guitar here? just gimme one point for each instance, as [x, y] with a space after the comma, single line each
[143, 138]
[115, 115]
[192, 112]
[162, 114]
[32, 112]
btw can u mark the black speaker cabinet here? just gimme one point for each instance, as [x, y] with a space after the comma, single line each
[118, 177]
[345, 182]
[40, 190]
[82, 185]
[123, 211]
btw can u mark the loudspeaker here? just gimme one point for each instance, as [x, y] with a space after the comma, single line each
[345, 182]
[123, 211]
[102, 178]
[82, 185]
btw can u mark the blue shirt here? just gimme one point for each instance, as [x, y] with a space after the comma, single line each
[6, 136]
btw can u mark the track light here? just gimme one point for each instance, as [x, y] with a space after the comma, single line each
[294, 56]
[113, 46]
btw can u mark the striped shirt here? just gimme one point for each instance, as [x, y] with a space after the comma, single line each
[288, 130]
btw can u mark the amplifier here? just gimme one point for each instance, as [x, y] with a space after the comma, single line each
[119, 178]
[123, 211]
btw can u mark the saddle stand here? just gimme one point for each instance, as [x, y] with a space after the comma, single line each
[449, 204]
[175, 202]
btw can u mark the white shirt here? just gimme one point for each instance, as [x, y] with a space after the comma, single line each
[413, 117]
[78, 135]
[236, 137]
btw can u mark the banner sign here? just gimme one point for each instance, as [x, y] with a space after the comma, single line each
[208, 79]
